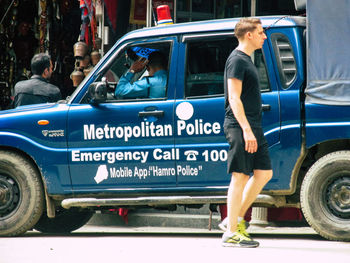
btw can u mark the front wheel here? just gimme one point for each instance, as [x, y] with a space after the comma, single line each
[21, 194]
[325, 196]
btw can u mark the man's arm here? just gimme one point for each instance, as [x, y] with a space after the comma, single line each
[138, 88]
[125, 88]
[234, 96]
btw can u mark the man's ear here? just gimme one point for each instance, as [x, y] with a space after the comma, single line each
[45, 72]
[249, 34]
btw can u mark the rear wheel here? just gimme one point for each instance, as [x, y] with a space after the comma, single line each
[325, 196]
[21, 194]
[65, 221]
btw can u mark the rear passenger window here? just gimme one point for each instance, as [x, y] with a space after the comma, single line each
[205, 64]
[206, 58]
[259, 62]
[285, 59]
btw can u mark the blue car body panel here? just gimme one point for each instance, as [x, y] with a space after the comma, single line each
[109, 148]
[45, 144]
[326, 123]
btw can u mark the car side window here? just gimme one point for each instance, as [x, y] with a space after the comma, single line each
[259, 62]
[205, 64]
[137, 86]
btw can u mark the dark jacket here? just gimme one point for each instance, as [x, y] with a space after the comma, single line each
[35, 90]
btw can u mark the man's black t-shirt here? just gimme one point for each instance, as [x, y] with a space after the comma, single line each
[240, 66]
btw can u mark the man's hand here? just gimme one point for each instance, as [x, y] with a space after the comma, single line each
[251, 144]
[139, 65]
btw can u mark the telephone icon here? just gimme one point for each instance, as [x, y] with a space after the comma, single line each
[191, 155]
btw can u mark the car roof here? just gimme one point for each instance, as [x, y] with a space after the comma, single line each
[212, 26]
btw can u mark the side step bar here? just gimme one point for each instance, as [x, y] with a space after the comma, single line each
[262, 199]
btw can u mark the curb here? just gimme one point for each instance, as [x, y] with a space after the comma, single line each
[156, 219]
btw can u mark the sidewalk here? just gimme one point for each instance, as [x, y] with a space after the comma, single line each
[182, 230]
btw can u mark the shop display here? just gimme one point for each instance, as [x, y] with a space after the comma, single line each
[86, 50]
[80, 49]
[95, 57]
[77, 76]
[28, 27]
[8, 24]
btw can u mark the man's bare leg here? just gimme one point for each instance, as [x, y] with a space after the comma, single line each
[254, 186]
[234, 199]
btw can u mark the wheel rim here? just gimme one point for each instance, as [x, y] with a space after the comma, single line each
[9, 196]
[338, 196]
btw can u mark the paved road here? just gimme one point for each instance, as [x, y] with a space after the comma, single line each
[102, 244]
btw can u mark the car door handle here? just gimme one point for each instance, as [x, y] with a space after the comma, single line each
[266, 107]
[155, 113]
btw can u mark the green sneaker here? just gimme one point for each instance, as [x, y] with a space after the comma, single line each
[238, 240]
[241, 228]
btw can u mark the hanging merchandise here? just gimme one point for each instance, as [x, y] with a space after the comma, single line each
[88, 27]
[26, 37]
[111, 7]
[99, 10]
[98, 43]
[65, 21]
[85, 62]
[80, 49]
[42, 25]
[25, 45]
[88, 70]
[80, 53]
[77, 77]
[8, 23]
[65, 6]
[85, 65]
[88, 41]
[95, 57]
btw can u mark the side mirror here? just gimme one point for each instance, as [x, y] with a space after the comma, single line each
[98, 91]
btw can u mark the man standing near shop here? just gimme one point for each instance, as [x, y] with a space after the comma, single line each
[248, 153]
[37, 89]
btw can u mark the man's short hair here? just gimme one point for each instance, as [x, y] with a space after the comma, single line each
[157, 59]
[39, 63]
[246, 24]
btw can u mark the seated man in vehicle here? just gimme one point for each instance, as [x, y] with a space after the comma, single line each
[152, 86]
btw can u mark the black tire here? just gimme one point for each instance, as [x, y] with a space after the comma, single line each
[21, 194]
[65, 221]
[325, 196]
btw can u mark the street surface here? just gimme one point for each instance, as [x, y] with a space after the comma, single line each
[110, 244]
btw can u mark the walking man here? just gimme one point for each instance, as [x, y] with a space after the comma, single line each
[248, 153]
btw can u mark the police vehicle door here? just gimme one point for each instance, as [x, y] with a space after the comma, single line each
[200, 109]
[124, 143]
